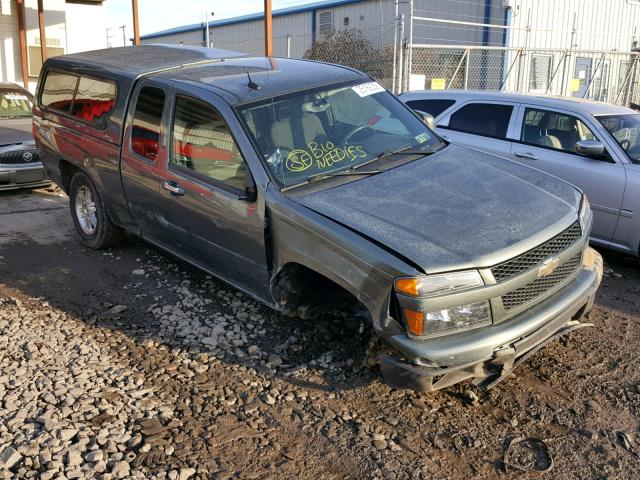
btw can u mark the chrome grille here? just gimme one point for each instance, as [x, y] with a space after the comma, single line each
[524, 262]
[538, 287]
[18, 157]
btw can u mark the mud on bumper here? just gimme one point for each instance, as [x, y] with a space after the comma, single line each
[555, 318]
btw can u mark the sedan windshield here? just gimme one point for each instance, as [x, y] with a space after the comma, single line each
[14, 103]
[624, 129]
[321, 132]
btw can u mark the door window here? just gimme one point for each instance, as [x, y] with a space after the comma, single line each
[433, 107]
[147, 119]
[553, 130]
[203, 146]
[487, 119]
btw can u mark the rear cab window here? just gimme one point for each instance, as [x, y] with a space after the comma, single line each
[433, 107]
[87, 99]
[486, 119]
[147, 122]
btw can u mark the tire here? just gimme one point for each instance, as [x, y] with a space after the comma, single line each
[92, 222]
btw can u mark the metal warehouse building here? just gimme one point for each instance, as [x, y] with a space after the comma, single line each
[586, 48]
[295, 28]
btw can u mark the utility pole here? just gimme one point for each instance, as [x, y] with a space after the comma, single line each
[124, 35]
[108, 38]
[136, 29]
[268, 34]
[207, 34]
[41, 26]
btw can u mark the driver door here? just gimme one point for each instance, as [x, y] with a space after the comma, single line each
[207, 214]
[547, 139]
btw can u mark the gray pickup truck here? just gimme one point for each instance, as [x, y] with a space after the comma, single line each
[299, 182]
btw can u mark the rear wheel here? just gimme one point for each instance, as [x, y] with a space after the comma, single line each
[90, 218]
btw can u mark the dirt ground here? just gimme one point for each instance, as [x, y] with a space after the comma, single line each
[129, 364]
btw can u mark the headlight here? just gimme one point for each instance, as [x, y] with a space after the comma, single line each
[585, 214]
[431, 285]
[453, 318]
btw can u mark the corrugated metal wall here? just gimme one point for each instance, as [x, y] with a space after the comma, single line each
[599, 24]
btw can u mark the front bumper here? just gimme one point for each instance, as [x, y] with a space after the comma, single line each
[28, 175]
[488, 354]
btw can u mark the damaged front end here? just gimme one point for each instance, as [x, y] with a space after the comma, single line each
[488, 354]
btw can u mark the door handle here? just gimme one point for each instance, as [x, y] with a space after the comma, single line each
[174, 188]
[527, 155]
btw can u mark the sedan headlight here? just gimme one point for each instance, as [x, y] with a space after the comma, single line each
[586, 215]
[432, 285]
[452, 318]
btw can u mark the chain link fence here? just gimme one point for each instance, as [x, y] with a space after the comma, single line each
[603, 76]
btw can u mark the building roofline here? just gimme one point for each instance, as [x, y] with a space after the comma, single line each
[251, 17]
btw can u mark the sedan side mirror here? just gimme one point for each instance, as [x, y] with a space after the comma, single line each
[590, 148]
[427, 119]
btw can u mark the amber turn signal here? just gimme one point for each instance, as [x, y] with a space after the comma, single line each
[414, 321]
[409, 286]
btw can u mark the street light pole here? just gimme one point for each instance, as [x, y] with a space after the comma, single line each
[124, 36]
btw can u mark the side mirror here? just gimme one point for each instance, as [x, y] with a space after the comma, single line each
[590, 148]
[427, 119]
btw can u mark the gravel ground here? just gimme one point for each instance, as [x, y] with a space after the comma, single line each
[129, 364]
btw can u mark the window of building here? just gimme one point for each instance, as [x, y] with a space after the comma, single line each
[488, 119]
[203, 145]
[147, 120]
[553, 130]
[54, 48]
[540, 72]
[58, 91]
[325, 21]
[433, 107]
[94, 100]
[345, 22]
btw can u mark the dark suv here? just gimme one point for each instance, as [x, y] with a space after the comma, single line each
[20, 165]
[297, 181]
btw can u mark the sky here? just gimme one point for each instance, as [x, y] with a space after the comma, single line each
[162, 14]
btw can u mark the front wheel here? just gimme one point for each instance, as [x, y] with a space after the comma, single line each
[90, 218]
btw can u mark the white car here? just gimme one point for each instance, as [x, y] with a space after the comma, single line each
[593, 145]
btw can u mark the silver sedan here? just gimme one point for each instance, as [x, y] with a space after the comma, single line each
[593, 145]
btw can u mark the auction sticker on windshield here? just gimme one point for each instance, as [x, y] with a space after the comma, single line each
[366, 89]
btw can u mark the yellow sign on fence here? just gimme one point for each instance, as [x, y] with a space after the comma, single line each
[575, 84]
[438, 83]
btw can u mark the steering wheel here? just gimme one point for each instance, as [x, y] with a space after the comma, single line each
[625, 144]
[351, 134]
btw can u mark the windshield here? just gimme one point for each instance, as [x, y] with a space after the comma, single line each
[319, 132]
[14, 104]
[624, 129]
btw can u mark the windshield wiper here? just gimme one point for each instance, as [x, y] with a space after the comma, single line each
[405, 150]
[322, 176]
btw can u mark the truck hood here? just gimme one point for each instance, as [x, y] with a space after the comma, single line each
[458, 208]
[15, 130]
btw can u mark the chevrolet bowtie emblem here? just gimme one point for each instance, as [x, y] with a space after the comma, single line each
[548, 267]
